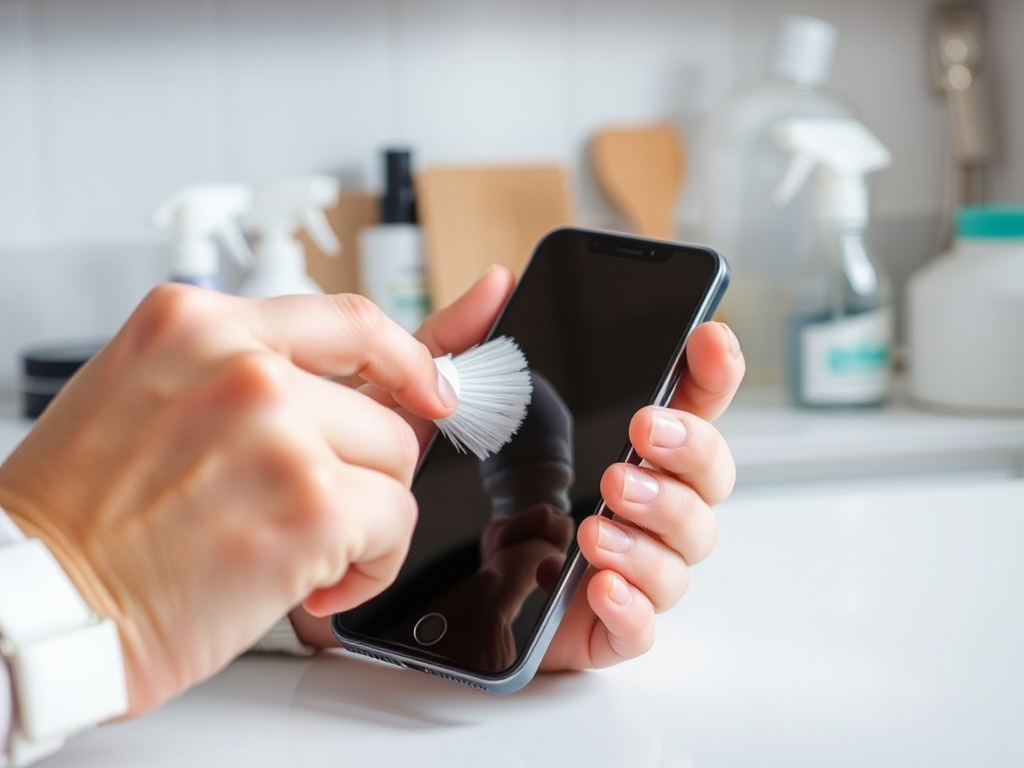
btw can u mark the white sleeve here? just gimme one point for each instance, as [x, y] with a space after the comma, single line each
[6, 711]
[9, 534]
[65, 669]
[282, 639]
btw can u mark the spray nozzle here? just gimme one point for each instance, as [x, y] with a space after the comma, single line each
[280, 207]
[843, 152]
[197, 215]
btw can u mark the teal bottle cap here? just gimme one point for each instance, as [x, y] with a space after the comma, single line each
[1003, 222]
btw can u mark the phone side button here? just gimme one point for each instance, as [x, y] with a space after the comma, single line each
[430, 629]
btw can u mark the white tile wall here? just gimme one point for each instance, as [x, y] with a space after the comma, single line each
[107, 105]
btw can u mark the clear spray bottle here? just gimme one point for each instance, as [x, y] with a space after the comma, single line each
[840, 316]
[740, 169]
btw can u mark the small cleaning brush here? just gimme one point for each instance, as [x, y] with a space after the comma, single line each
[493, 384]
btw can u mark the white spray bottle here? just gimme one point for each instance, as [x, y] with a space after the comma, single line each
[196, 216]
[279, 210]
[840, 319]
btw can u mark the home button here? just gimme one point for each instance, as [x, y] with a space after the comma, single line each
[430, 629]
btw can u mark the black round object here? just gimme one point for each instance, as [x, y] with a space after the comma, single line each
[47, 367]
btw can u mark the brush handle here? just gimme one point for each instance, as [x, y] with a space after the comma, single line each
[447, 368]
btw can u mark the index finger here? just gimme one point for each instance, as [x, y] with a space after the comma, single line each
[464, 322]
[348, 335]
[715, 369]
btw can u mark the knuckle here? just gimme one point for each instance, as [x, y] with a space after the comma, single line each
[716, 460]
[676, 583]
[697, 527]
[373, 507]
[695, 532]
[703, 542]
[306, 498]
[407, 511]
[645, 643]
[358, 312]
[406, 514]
[170, 309]
[390, 509]
[313, 496]
[254, 376]
[407, 445]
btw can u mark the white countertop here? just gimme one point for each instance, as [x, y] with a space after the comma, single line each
[774, 444]
[864, 606]
[850, 627]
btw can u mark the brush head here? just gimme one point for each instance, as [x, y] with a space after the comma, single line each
[492, 382]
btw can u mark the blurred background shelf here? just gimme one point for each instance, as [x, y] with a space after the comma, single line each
[780, 449]
[776, 446]
[111, 104]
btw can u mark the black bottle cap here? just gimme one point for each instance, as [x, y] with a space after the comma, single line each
[398, 205]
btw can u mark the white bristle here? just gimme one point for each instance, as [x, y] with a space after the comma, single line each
[493, 384]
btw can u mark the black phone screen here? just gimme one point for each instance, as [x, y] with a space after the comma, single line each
[602, 319]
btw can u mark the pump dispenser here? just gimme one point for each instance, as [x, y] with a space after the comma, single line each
[279, 210]
[196, 216]
[840, 322]
[392, 263]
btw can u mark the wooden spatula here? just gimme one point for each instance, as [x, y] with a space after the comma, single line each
[641, 169]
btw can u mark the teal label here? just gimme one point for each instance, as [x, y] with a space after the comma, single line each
[863, 357]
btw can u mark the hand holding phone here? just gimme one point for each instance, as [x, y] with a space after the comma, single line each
[603, 318]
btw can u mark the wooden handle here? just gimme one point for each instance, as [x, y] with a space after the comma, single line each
[641, 169]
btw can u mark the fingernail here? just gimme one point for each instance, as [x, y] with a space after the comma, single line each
[444, 388]
[640, 487]
[734, 343]
[667, 431]
[619, 592]
[612, 538]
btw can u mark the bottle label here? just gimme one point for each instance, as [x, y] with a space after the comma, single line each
[407, 301]
[846, 361]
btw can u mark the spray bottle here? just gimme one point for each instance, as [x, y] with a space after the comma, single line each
[840, 321]
[279, 209]
[196, 215]
[741, 164]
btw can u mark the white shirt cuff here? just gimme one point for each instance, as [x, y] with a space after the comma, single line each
[282, 639]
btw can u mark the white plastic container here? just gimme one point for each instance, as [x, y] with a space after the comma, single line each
[965, 317]
[742, 167]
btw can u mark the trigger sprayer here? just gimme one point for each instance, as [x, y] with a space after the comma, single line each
[842, 153]
[279, 210]
[840, 322]
[198, 216]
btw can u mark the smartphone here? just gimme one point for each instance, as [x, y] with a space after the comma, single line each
[602, 319]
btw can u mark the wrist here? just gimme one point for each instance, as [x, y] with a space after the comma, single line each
[68, 555]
